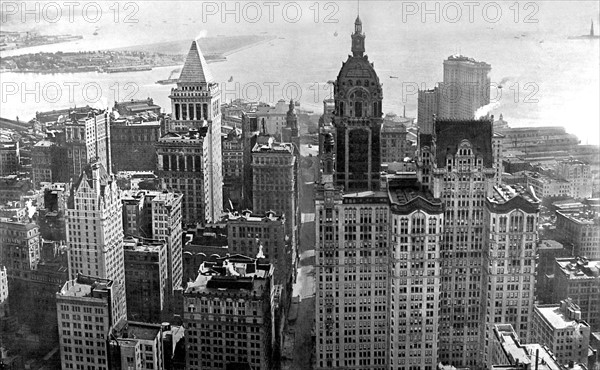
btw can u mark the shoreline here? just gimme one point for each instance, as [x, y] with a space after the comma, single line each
[218, 58]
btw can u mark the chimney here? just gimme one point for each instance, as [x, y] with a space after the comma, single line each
[537, 357]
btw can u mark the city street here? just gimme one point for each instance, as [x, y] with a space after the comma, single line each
[299, 334]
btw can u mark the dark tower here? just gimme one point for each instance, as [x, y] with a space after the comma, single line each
[358, 39]
[357, 119]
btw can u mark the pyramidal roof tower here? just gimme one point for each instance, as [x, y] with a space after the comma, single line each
[195, 69]
[196, 105]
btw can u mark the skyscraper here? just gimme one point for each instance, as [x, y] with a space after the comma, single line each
[94, 227]
[461, 167]
[465, 89]
[86, 139]
[357, 119]
[196, 105]
[509, 262]
[274, 185]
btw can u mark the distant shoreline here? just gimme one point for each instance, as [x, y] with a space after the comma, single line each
[210, 58]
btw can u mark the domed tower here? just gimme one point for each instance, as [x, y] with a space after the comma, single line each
[289, 134]
[357, 119]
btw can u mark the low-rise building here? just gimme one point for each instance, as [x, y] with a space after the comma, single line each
[19, 247]
[579, 174]
[580, 230]
[546, 186]
[508, 353]
[560, 328]
[9, 157]
[579, 279]
[141, 346]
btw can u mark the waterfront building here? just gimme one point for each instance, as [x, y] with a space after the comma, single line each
[509, 261]
[146, 271]
[94, 228]
[357, 119]
[196, 105]
[134, 107]
[465, 89]
[10, 158]
[133, 141]
[86, 139]
[561, 329]
[274, 185]
[581, 232]
[228, 313]
[579, 279]
[538, 139]
[89, 318]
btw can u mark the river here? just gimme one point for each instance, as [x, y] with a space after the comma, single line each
[547, 80]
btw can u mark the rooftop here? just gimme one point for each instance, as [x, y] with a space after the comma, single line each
[558, 318]
[142, 244]
[184, 137]
[83, 286]
[195, 68]
[144, 331]
[232, 273]
[579, 267]
[392, 126]
[450, 133]
[525, 354]
[504, 193]
[549, 244]
[582, 218]
[247, 215]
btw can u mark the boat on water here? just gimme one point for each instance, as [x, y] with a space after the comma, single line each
[591, 36]
[169, 81]
[335, 34]
[127, 69]
[393, 76]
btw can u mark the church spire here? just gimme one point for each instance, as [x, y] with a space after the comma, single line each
[358, 39]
